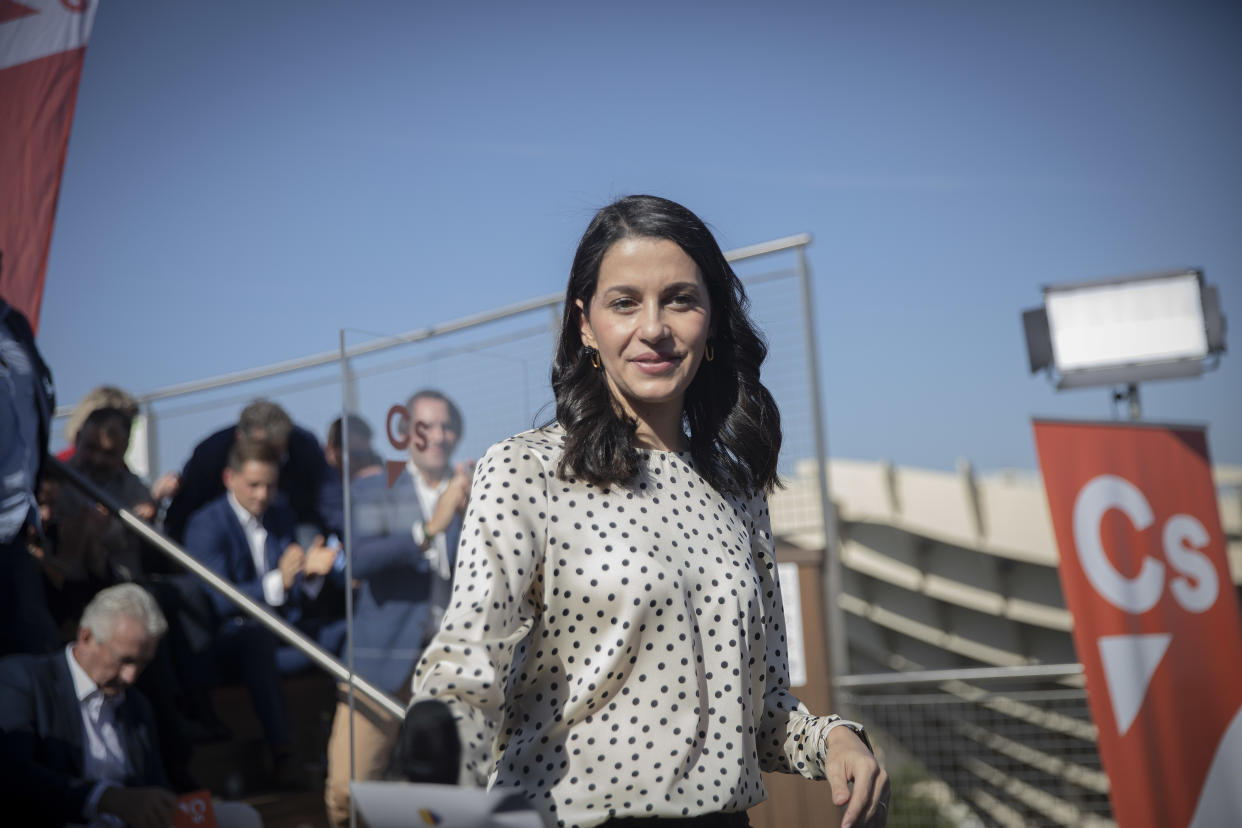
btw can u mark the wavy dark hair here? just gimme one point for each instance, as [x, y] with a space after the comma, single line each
[732, 420]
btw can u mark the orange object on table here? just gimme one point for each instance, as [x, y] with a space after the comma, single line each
[194, 810]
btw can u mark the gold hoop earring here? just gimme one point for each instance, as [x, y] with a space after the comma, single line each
[594, 358]
[709, 352]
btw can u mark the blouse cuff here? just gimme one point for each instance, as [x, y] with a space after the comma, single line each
[806, 742]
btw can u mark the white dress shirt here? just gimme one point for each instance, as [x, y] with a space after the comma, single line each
[428, 496]
[256, 536]
[273, 582]
[103, 756]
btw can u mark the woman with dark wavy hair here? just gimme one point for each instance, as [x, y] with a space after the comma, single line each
[615, 642]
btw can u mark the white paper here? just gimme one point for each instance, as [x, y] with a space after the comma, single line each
[406, 804]
[791, 595]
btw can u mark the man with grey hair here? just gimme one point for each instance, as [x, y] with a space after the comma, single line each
[303, 468]
[78, 740]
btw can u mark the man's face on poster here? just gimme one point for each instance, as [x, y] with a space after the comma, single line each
[433, 436]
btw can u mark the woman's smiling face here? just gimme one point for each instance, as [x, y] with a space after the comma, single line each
[649, 318]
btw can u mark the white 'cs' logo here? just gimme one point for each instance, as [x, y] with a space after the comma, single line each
[1196, 585]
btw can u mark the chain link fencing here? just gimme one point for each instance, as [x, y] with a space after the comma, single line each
[974, 751]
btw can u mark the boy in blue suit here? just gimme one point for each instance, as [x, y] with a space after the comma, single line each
[247, 537]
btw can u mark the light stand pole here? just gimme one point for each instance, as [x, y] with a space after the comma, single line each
[838, 643]
[1130, 395]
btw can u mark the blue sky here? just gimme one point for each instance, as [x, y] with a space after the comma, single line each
[245, 179]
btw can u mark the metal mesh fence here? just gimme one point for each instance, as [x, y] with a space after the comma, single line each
[776, 303]
[980, 753]
[497, 375]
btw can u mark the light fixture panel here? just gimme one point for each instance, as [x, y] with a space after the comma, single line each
[1152, 320]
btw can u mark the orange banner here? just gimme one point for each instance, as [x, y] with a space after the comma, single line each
[1156, 619]
[42, 44]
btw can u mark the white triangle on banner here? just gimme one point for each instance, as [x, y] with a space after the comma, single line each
[1129, 662]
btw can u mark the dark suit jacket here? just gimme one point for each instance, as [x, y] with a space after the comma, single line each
[397, 587]
[441, 589]
[392, 603]
[41, 742]
[301, 477]
[332, 504]
[215, 537]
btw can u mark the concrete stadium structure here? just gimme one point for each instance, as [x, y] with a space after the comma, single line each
[957, 573]
[946, 570]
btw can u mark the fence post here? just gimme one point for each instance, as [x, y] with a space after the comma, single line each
[838, 652]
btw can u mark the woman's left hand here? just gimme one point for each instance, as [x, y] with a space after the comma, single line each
[848, 761]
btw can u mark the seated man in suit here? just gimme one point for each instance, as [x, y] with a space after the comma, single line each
[77, 739]
[94, 550]
[247, 537]
[301, 463]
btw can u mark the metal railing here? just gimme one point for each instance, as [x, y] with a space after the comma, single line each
[287, 633]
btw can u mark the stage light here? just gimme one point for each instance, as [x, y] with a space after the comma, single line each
[1127, 330]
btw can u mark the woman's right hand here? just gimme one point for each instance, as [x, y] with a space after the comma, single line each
[848, 760]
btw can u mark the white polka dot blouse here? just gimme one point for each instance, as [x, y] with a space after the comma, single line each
[617, 651]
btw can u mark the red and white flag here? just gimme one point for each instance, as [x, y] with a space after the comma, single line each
[42, 46]
[1156, 618]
